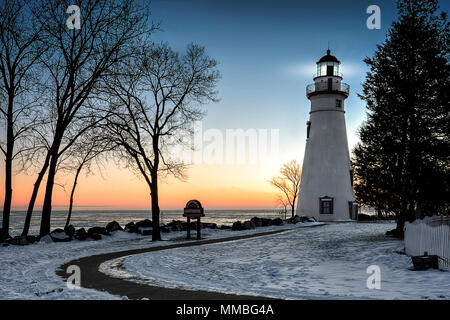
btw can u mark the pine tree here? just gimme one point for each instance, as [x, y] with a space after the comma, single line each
[402, 161]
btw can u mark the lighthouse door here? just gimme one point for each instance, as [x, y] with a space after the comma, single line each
[330, 84]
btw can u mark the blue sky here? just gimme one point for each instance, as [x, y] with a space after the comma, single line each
[267, 51]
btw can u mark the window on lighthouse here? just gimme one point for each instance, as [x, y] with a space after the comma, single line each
[326, 205]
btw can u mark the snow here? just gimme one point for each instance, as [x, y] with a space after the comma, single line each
[329, 262]
[28, 272]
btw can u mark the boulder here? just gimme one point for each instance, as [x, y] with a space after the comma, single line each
[46, 239]
[265, 222]
[257, 221]
[59, 235]
[145, 231]
[237, 226]
[144, 223]
[276, 222]
[175, 225]
[32, 239]
[223, 227]
[248, 225]
[99, 230]
[296, 219]
[70, 230]
[209, 225]
[113, 226]
[164, 229]
[93, 235]
[80, 234]
[18, 241]
[311, 219]
[131, 228]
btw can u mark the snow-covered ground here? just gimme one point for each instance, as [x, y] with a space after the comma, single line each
[28, 272]
[329, 262]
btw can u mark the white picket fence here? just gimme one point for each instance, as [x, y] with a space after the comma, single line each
[432, 235]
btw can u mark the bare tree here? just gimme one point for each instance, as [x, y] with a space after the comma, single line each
[156, 98]
[19, 51]
[289, 182]
[75, 63]
[85, 153]
[282, 204]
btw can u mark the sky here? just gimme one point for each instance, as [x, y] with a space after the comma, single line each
[267, 51]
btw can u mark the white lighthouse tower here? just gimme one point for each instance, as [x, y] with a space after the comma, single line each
[326, 189]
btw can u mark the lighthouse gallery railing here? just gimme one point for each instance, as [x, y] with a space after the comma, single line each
[325, 87]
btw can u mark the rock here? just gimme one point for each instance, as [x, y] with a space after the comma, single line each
[93, 235]
[296, 219]
[80, 234]
[113, 226]
[311, 219]
[175, 225]
[131, 228]
[257, 221]
[222, 227]
[248, 225]
[209, 225]
[164, 229]
[144, 223]
[237, 226]
[59, 235]
[99, 230]
[276, 222]
[18, 241]
[32, 239]
[46, 239]
[70, 230]
[145, 231]
[265, 222]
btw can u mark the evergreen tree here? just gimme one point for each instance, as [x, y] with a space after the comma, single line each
[402, 161]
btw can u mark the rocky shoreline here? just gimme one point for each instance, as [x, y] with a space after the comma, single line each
[144, 227]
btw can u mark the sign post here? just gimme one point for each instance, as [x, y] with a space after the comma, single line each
[193, 209]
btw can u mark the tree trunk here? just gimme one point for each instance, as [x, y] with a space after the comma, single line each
[69, 215]
[8, 169]
[293, 205]
[156, 235]
[47, 206]
[26, 226]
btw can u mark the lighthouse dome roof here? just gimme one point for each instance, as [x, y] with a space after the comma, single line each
[328, 58]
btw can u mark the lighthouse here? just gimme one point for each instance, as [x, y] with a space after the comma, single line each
[326, 188]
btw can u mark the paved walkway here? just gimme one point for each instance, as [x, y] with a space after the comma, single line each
[92, 278]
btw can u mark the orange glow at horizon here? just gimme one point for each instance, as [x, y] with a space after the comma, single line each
[216, 186]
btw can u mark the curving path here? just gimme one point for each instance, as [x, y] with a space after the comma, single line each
[92, 278]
